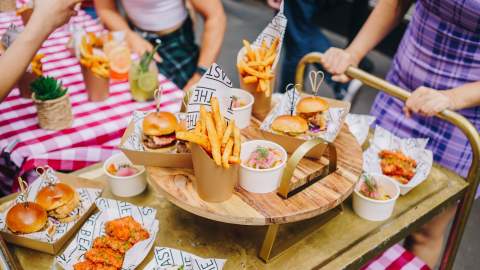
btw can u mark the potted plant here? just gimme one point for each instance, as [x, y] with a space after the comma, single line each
[54, 109]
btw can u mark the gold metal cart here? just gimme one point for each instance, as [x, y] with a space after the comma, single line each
[473, 178]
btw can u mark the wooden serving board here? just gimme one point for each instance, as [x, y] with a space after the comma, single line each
[247, 208]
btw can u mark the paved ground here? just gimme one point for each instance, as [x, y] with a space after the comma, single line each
[247, 18]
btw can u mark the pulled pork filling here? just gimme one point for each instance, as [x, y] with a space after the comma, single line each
[157, 142]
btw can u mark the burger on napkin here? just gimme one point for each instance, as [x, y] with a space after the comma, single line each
[290, 125]
[159, 132]
[60, 200]
[312, 109]
[26, 217]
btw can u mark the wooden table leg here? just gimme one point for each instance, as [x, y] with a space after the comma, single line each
[268, 242]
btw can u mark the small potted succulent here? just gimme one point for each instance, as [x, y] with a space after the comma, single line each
[54, 109]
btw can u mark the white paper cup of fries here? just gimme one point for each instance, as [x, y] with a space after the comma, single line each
[372, 209]
[125, 186]
[243, 113]
[261, 180]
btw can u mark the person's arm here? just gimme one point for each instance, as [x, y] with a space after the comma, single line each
[47, 16]
[385, 16]
[428, 102]
[113, 20]
[215, 23]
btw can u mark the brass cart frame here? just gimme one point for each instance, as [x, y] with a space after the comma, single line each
[465, 204]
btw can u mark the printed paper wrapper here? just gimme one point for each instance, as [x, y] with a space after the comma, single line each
[132, 147]
[213, 183]
[87, 198]
[171, 259]
[276, 28]
[335, 117]
[414, 148]
[214, 83]
[359, 125]
[95, 226]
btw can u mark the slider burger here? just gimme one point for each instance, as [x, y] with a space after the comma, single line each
[26, 217]
[159, 132]
[291, 125]
[312, 109]
[60, 200]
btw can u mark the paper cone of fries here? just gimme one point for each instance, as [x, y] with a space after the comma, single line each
[213, 183]
[257, 64]
[97, 87]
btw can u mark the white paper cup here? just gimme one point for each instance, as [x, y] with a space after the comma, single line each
[258, 180]
[242, 115]
[376, 210]
[128, 186]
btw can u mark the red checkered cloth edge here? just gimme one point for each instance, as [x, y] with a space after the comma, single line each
[396, 258]
[97, 127]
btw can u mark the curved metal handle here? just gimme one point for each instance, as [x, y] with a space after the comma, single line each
[296, 157]
[454, 118]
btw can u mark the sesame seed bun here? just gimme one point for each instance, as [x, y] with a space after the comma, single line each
[312, 104]
[159, 123]
[291, 125]
[26, 217]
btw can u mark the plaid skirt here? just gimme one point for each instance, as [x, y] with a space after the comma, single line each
[439, 51]
[178, 50]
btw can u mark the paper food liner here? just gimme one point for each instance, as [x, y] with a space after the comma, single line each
[133, 148]
[335, 117]
[359, 125]
[87, 198]
[95, 227]
[414, 148]
[171, 259]
[213, 183]
[276, 28]
[214, 83]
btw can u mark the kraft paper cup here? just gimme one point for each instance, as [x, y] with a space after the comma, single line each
[242, 115]
[262, 104]
[213, 183]
[125, 186]
[97, 87]
[376, 210]
[258, 180]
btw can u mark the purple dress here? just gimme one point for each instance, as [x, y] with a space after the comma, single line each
[440, 50]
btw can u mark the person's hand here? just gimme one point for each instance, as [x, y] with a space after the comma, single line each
[275, 4]
[428, 102]
[53, 13]
[195, 78]
[336, 61]
[139, 45]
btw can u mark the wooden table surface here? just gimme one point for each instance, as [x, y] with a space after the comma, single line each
[347, 241]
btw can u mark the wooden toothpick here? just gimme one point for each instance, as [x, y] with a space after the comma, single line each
[157, 95]
[316, 80]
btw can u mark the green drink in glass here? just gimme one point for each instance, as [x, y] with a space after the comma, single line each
[143, 77]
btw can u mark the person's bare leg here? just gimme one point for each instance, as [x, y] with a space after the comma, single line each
[427, 242]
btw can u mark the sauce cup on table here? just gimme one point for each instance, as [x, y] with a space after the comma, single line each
[125, 183]
[243, 111]
[261, 180]
[378, 206]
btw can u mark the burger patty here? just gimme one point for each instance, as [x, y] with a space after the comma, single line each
[157, 142]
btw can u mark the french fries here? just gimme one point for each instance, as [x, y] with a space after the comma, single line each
[217, 138]
[37, 65]
[256, 66]
[98, 64]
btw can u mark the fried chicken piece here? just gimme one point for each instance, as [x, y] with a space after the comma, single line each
[106, 256]
[126, 229]
[397, 165]
[113, 243]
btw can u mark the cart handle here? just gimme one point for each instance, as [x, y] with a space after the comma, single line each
[473, 177]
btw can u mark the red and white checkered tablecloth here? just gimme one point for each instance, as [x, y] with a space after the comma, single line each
[97, 127]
